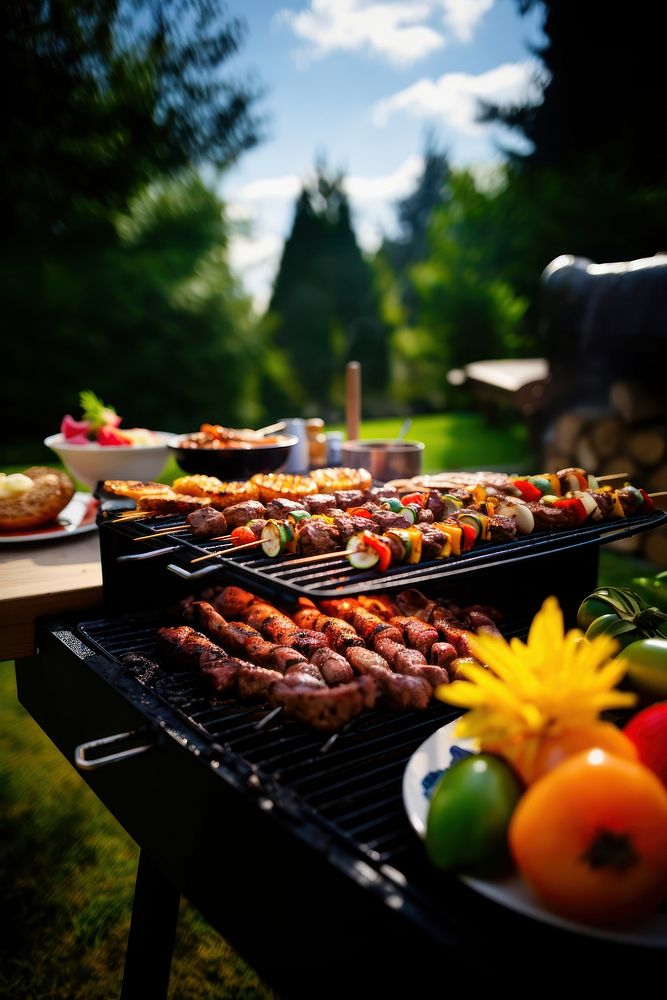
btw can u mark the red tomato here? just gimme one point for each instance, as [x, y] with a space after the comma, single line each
[648, 731]
[242, 534]
[590, 838]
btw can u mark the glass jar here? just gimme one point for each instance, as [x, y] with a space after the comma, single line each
[317, 443]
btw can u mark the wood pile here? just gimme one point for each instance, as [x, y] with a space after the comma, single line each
[628, 435]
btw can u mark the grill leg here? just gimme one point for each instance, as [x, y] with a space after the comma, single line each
[152, 932]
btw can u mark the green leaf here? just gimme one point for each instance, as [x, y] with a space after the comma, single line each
[95, 412]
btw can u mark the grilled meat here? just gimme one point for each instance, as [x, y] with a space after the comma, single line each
[334, 668]
[233, 602]
[240, 513]
[316, 537]
[349, 498]
[442, 654]
[174, 503]
[338, 633]
[410, 661]
[305, 667]
[386, 519]
[281, 507]
[184, 645]
[433, 540]
[253, 682]
[365, 623]
[502, 528]
[416, 633]
[320, 503]
[207, 522]
[326, 709]
[397, 690]
[237, 637]
[552, 518]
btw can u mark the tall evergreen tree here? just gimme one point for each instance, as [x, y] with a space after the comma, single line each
[324, 309]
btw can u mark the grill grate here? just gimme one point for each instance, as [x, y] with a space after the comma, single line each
[351, 781]
[335, 577]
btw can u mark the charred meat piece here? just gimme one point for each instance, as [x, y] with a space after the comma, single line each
[320, 503]
[365, 623]
[398, 691]
[237, 637]
[348, 525]
[479, 622]
[184, 645]
[299, 678]
[256, 525]
[502, 528]
[442, 654]
[605, 503]
[417, 634]
[432, 541]
[435, 504]
[253, 682]
[240, 513]
[280, 629]
[425, 516]
[458, 637]
[279, 508]
[326, 709]
[221, 676]
[177, 503]
[207, 522]
[233, 602]
[316, 537]
[386, 519]
[349, 498]
[381, 492]
[410, 661]
[306, 668]
[334, 668]
[338, 633]
[380, 605]
[552, 518]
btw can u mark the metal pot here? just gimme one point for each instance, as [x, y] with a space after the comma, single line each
[386, 458]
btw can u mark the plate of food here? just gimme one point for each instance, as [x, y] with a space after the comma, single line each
[439, 752]
[41, 504]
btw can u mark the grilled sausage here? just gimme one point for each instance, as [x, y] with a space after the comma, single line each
[237, 637]
[398, 691]
[417, 634]
[334, 668]
[339, 634]
[326, 709]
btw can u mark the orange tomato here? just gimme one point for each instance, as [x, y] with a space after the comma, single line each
[532, 759]
[590, 838]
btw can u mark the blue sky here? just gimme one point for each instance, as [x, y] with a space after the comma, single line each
[360, 82]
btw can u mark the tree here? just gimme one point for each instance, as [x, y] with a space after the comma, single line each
[105, 96]
[113, 271]
[324, 309]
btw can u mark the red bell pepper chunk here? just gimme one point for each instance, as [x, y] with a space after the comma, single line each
[469, 536]
[527, 490]
[359, 512]
[242, 534]
[418, 498]
[74, 431]
[575, 504]
[381, 547]
[647, 499]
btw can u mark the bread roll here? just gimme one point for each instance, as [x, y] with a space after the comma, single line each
[52, 490]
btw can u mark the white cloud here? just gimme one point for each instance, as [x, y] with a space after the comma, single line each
[454, 96]
[247, 252]
[463, 16]
[394, 30]
[387, 186]
[287, 186]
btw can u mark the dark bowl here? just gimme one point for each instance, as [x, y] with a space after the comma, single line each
[234, 463]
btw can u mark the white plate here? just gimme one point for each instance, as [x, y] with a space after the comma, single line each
[433, 756]
[76, 518]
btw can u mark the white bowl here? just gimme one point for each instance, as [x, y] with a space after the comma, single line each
[91, 463]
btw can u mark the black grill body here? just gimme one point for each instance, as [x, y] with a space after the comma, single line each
[300, 856]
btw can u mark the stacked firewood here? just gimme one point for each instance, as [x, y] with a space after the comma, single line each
[628, 435]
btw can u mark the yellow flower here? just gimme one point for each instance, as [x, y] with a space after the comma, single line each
[533, 690]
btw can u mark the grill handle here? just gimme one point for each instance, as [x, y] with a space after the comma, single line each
[153, 554]
[85, 763]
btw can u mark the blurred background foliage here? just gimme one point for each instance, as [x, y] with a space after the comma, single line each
[114, 265]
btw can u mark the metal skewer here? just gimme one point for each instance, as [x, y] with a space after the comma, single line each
[269, 718]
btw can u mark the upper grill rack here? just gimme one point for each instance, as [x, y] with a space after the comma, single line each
[335, 577]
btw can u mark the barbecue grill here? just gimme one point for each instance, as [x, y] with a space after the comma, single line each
[293, 844]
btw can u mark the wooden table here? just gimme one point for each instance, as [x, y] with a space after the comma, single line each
[44, 579]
